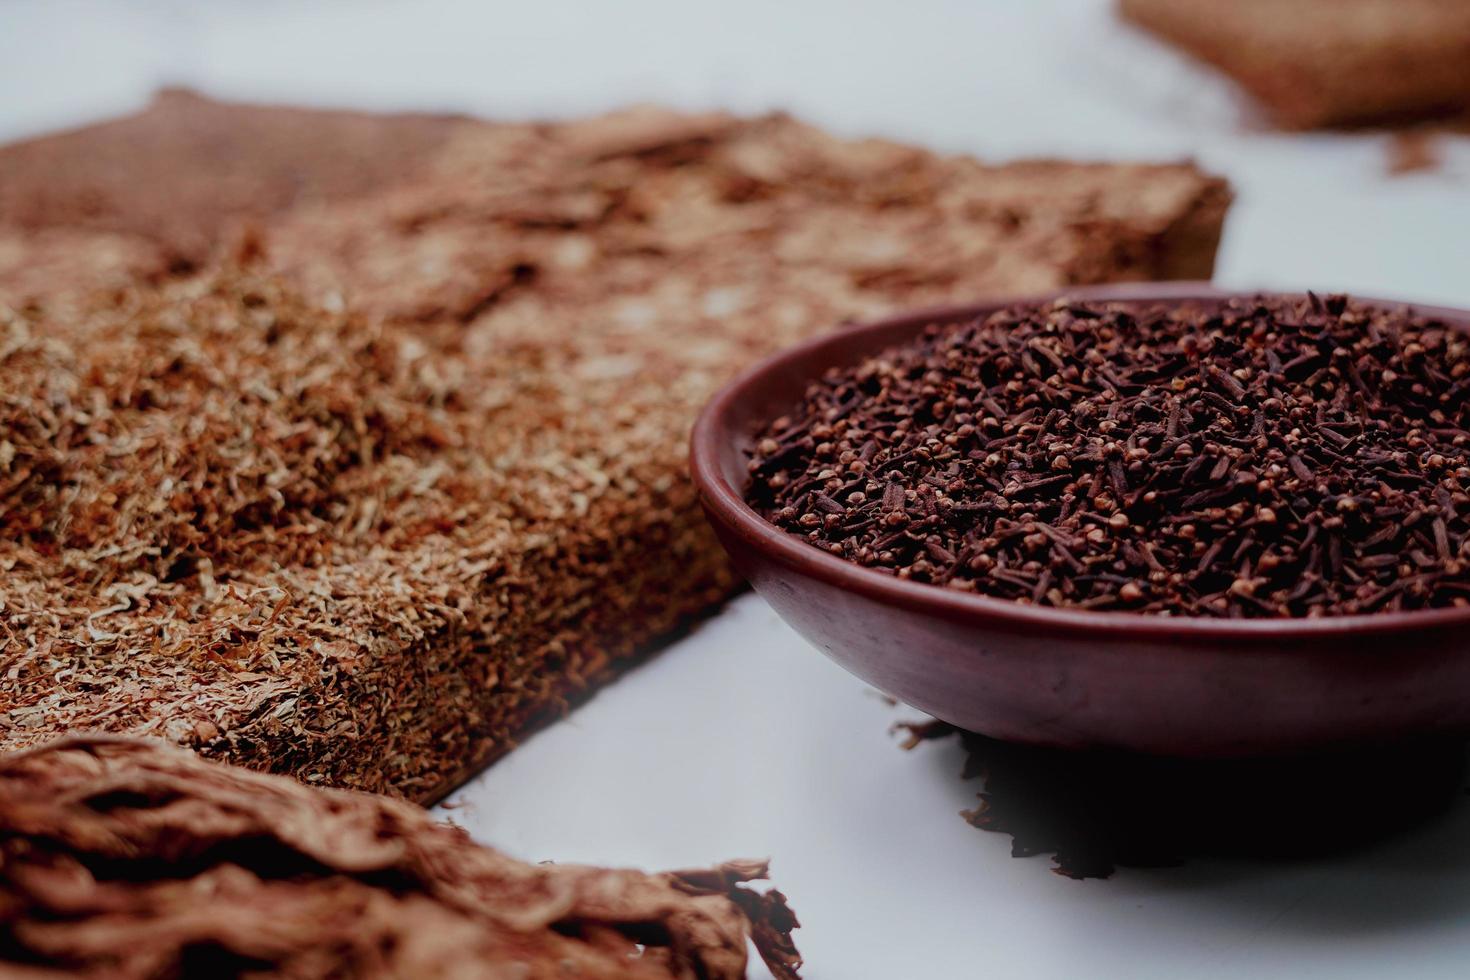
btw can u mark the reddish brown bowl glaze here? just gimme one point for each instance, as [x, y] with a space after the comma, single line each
[1170, 686]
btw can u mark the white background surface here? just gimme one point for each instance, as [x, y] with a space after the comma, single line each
[741, 740]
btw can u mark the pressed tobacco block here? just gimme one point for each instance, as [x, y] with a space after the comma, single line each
[131, 858]
[140, 198]
[396, 476]
[1315, 63]
[181, 172]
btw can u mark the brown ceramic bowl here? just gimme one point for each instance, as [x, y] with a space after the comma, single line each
[1169, 686]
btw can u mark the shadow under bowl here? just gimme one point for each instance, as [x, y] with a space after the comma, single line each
[1182, 686]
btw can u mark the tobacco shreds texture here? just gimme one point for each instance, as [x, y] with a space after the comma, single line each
[1275, 457]
[127, 858]
[399, 474]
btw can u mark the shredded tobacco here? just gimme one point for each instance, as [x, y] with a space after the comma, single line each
[360, 486]
[1272, 457]
[130, 858]
[1413, 151]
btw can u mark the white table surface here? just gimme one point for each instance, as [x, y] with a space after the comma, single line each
[740, 740]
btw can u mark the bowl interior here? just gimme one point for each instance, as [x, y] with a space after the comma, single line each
[776, 384]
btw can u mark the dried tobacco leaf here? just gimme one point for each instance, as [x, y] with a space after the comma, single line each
[131, 858]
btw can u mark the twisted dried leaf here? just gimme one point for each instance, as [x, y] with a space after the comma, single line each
[129, 858]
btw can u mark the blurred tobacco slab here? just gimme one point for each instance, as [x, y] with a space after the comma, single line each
[131, 858]
[353, 447]
[1094, 812]
[1328, 63]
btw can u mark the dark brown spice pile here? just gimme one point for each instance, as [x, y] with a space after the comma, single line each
[1279, 457]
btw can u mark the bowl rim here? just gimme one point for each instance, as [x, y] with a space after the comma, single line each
[726, 504]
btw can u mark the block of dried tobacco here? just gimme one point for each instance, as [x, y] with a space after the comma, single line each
[131, 858]
[415, 481]
[1318, 63]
